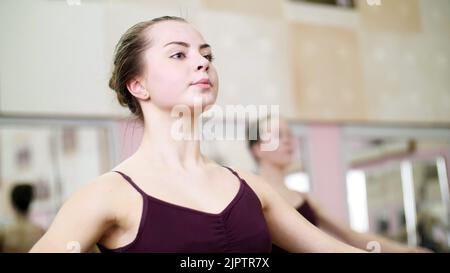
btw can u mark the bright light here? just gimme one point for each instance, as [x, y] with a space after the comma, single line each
[409, 201]
[297, 181]
[357, 200]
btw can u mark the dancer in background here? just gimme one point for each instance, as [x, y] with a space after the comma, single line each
[22, 234]
[273, 165]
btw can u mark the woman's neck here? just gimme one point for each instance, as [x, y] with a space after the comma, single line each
[273, 174]
[170, 142]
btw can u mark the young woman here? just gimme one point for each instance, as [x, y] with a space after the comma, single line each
[273, 166]
[168, 197]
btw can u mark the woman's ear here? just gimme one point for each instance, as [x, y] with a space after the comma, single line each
[137, 89]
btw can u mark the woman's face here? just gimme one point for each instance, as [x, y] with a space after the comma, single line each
[282, 156]
[178, 68]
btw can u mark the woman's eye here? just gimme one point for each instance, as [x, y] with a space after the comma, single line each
[209, 57]
[179, 55]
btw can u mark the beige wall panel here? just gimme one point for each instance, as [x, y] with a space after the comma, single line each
[391, 15]
[327, 76]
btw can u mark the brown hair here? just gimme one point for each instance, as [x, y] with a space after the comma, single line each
[128, 61]
[253, 133]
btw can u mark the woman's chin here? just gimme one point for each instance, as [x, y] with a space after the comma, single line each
[285, 163]
[204, 102]
[208, 106]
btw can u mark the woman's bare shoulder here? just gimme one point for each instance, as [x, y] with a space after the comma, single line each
[312, 202]
[107, 183]
[100, 193]
[262, 188]
[250, 177]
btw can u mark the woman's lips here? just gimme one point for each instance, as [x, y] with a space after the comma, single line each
[203, 83]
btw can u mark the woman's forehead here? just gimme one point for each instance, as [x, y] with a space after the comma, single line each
[170, 31]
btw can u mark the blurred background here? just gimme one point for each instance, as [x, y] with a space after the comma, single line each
[364, 84]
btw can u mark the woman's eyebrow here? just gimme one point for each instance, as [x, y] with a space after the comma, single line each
[202, 46]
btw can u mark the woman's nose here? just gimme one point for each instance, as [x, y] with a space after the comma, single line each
[203, 64]
[201, 67]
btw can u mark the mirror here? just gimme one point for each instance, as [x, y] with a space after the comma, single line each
[57, 158]
[397, 185]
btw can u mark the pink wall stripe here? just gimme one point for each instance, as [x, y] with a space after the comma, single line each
[327, 172]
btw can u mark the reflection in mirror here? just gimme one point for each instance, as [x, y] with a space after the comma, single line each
[55, 160]
[432, 215]
[398, 187]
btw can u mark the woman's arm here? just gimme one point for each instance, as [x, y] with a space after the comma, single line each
[81, 221]
[360, 240]
[287, 227]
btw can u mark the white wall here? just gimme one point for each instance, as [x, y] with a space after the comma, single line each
[53, 58]
[56, 57]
